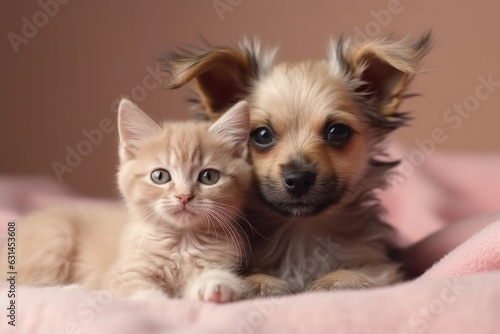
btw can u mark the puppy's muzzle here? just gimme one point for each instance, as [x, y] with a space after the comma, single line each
[300, 190]
[298, 182]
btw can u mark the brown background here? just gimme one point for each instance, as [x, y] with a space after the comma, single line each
[66, 77]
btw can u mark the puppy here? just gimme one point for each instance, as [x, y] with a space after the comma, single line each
[318, 129]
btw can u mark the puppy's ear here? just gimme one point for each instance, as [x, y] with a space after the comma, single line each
[382, 68]
[223, 76]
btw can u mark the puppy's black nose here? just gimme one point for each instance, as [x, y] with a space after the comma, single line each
[298, 182]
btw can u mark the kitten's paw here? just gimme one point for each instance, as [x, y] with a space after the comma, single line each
[151, 294]
[217, 292]
[216, 286]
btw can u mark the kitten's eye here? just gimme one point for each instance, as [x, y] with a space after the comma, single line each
[160, 176]
[209, 176]
[338, 134]
[263, 137]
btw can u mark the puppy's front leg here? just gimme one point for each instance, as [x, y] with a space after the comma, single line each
[359, 278]
[342, 279]
[263, 285]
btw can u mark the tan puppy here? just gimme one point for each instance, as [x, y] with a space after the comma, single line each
[316, 144]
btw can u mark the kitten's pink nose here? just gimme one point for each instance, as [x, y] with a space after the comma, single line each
[184, 198]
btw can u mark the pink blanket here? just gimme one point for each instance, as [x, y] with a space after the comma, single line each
[447, 212]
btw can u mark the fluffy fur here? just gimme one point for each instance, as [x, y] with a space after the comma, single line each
[181, 234]
[322, 124]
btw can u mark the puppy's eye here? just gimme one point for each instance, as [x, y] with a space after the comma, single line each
[263, 137]
[160, 176]
[338, 134]
[209, 176]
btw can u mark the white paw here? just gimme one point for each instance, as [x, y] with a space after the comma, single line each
[216, 286]
[150, 294]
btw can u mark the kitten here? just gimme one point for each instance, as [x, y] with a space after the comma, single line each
[183, 185]
[181, 234]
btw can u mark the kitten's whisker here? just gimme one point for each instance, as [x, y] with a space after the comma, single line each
[223, 223]
[234, 209]
[238, 214]
[208, 220]
[151, 220]
[224, 228]
[230, 215]
[135, 232]
[224, 210]
[229, 223]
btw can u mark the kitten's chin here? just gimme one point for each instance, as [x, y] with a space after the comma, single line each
[183, 219]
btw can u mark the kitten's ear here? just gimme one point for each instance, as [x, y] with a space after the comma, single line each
[234, 125]
[133, 126]
[383, 67]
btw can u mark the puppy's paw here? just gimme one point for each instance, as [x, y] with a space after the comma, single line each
[150, 294]
[341, 280]
[217, 286]
[262, 285]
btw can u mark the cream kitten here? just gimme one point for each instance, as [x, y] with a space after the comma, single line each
[180, 234]
[183, 185]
